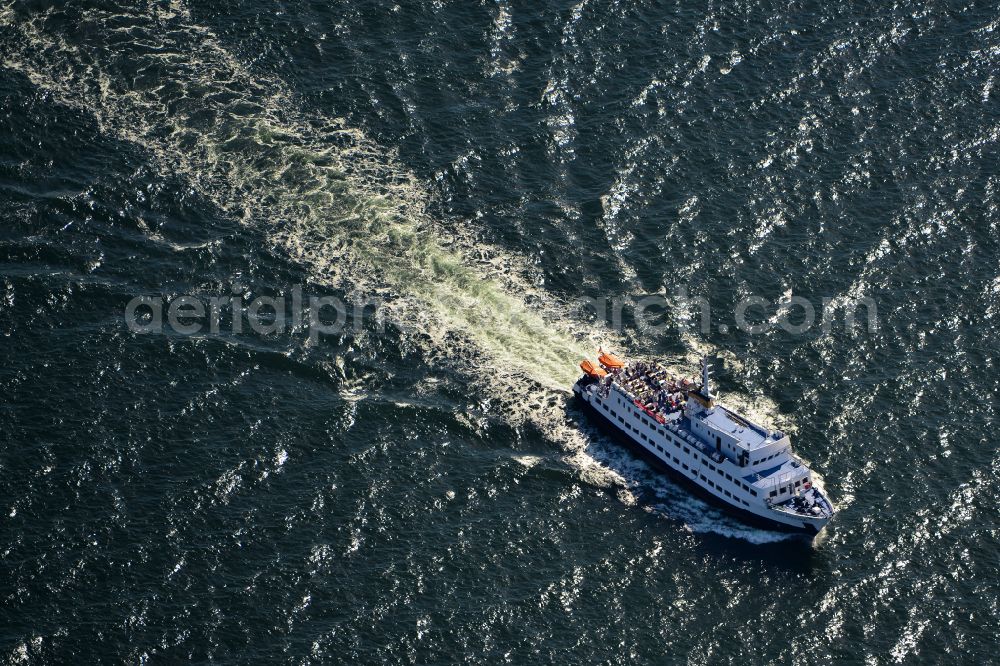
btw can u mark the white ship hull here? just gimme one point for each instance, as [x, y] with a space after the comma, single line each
[766, 497]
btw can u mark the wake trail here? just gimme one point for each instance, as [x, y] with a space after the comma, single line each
[327, 196]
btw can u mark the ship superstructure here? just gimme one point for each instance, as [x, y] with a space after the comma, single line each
[744, 466]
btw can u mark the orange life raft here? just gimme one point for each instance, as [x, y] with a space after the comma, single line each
[611, 361]
[592, 370]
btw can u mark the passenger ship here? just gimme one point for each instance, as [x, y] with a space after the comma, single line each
[745, 467]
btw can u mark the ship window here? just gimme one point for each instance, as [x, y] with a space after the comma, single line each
[675, 459]
[703, 477]
[774, 493]
[598, 401]
[659, 447]
[621, 420]
[676, 443]
[644, 438]
[729, 477]
[660, 430]
[720, 471]
[685, 466]
[687, 450]
[728, 494]
[798, 483]
[754, 493]
[711, 467]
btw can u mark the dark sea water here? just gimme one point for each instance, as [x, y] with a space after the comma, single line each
[422, 490]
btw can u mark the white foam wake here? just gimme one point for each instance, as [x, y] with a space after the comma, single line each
[327, 197]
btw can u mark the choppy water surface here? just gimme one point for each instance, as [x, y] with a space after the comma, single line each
[423, 491]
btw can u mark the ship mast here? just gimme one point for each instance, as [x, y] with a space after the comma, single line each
[706, 389]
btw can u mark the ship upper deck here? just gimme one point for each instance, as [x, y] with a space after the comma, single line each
[749, 435]
[653, 387]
